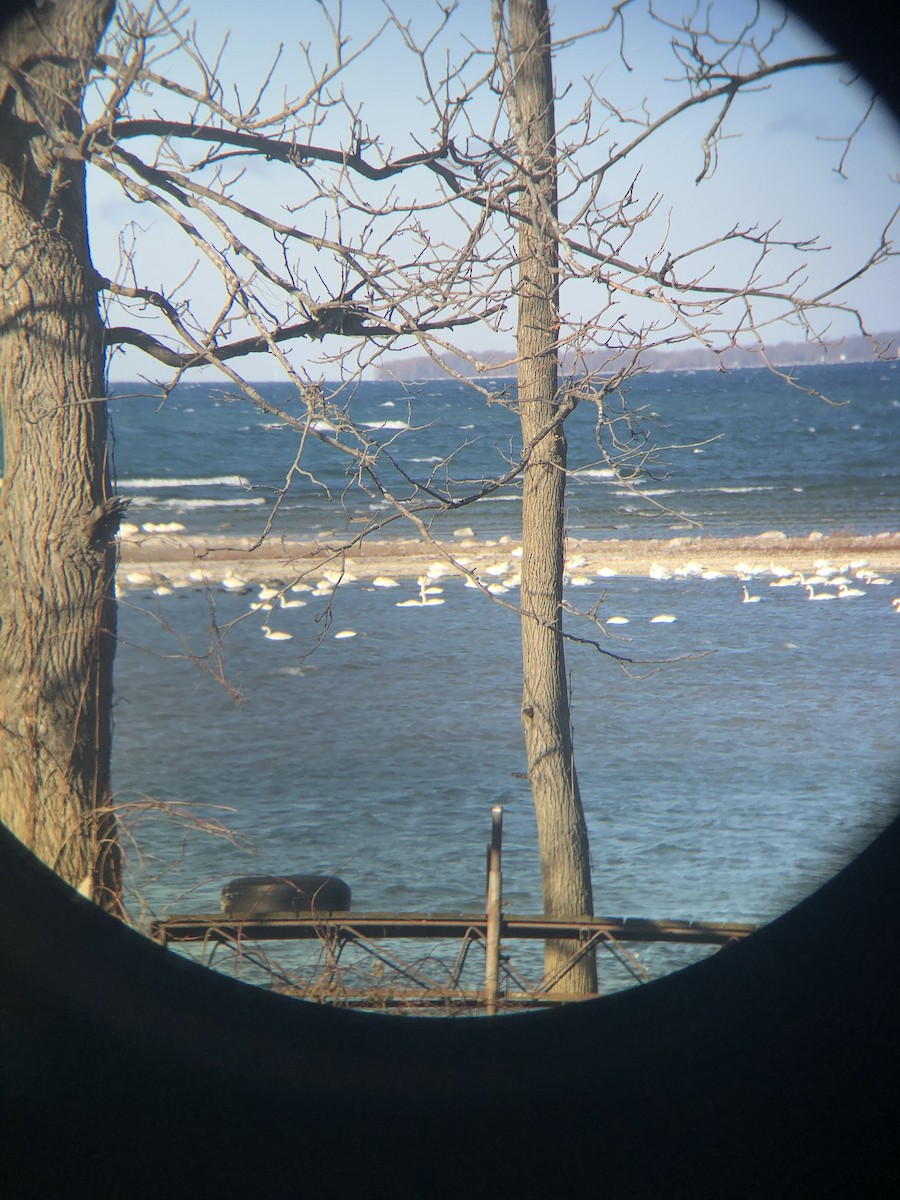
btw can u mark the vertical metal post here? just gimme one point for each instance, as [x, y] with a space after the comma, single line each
[494, 896]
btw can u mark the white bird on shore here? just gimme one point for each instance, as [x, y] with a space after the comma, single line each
[384, 581]
[658, 572]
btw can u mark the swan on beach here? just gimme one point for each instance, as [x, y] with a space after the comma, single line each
[384, 581]
[658, 572]
[690, 570]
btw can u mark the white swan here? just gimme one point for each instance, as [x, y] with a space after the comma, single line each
[812, 595]
[616, 620]
[748, 599]
[282, 603]
[845, 591]
[663, 619]
[276, 635]
[425, 595]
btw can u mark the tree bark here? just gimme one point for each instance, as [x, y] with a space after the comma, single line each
[562, 833]
[58, 517]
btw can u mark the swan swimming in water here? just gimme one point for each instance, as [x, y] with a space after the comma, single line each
[813, 595]
[748, 599]
[426, 595]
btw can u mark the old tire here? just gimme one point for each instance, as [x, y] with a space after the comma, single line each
[268, 895]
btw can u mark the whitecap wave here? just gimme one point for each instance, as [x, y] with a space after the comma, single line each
[154, 484]
[179, 504]
[740, 491]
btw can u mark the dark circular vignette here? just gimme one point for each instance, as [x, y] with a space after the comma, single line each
[765, 1071]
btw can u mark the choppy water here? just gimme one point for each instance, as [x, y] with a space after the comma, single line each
[722, 787]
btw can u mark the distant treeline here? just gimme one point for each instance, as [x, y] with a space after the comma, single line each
[694, 358]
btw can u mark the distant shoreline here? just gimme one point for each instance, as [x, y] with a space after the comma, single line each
[181, 560]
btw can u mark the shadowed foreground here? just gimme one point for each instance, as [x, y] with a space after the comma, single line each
[760, 1072]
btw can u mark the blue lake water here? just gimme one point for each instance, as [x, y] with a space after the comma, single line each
[725, 787]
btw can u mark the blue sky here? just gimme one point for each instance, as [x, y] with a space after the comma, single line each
[776, 165]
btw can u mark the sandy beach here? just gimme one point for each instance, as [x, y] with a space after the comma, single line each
[178, 560]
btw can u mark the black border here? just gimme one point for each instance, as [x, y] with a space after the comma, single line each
[769, 1070]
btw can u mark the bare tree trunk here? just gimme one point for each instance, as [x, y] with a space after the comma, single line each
[58, 518]
[562, 834]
